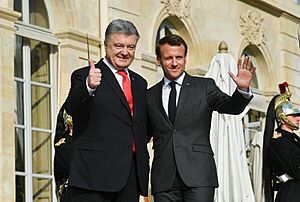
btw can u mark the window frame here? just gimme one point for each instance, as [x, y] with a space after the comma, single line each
[27, 128]
[32, 32]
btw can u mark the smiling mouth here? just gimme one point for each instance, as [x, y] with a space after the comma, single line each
[123, 58]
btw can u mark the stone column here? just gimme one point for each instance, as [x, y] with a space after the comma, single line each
[289, 52]
[7, 99]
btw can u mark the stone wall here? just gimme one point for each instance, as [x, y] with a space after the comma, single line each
[268, 28]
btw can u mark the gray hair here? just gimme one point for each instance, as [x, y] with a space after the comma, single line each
[121, 26]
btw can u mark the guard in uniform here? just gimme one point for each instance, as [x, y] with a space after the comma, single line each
[63, 151]
[281, 149]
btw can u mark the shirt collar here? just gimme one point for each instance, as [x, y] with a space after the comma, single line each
[179, 80]
[111, 67]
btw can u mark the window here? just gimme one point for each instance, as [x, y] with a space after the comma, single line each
[38, 13]
[33, 75]
[35, 15]
[166, 28]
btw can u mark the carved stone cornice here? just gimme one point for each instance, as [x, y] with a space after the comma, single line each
[252, 28]
[9, 15]
[74, 39]
[8, 18]
[179, 8]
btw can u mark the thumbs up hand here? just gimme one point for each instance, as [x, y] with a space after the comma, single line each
[94, 77]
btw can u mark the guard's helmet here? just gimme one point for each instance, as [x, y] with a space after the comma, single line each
[284, 107]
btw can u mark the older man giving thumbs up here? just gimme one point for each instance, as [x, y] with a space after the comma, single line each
[107, 103]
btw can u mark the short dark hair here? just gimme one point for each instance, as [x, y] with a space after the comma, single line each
[172, 40]
[121, 26]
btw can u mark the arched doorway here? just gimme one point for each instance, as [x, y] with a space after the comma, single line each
[173, 25]
[254, 119]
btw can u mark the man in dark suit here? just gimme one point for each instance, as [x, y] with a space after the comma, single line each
[180, 109]
[110, 161]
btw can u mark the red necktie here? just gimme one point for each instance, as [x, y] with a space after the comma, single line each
[128, 93]
[127, 89]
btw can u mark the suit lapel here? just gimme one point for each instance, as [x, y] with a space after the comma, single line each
[135, 95]
[108, 76]
[184, 93]
[158, 98]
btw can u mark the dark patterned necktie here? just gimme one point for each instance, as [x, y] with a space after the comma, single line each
[172, 102]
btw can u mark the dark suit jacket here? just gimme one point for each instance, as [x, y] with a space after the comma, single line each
[104, 132]
[186, 145]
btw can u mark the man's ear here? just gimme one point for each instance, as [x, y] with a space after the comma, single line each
[105, 45]
[158, 61]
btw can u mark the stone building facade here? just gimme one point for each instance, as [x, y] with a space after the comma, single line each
[43, 41]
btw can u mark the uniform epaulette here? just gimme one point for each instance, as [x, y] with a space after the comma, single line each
[276, 135]
[60, 142]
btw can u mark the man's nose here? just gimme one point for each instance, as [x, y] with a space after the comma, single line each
[124, 51]
[174, 61]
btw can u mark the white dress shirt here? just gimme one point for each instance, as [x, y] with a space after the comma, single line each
[166, 89]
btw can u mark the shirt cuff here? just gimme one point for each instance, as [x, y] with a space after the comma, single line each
[91, 91]
[245, 94]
